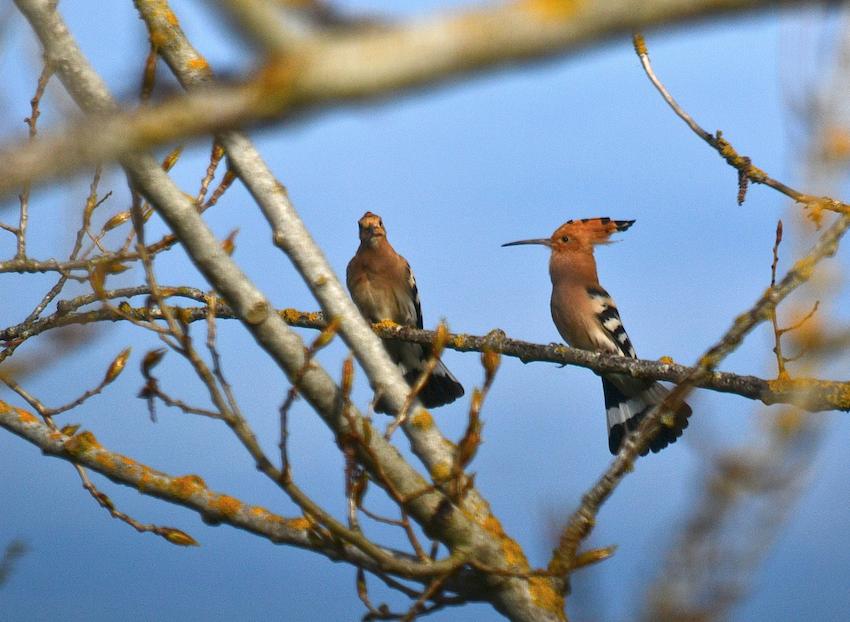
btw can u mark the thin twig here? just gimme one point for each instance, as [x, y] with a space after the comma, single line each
[113, 371]
[582, 521]
[216, 154]
[741, 163]
[421, 380]
[24, 197]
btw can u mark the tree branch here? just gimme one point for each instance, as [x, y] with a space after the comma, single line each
[524, 599]
[811, 394]
[473, 530]
[190, 491]
[350, 66]
[583, 519]
[746, 170]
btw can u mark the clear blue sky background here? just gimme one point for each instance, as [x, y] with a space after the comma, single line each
[455, 172]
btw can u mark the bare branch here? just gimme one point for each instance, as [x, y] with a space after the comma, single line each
[582, 521]
[24, 197]
[811, 394]
[472, 529]
[293, 238]
[351, 66]
[743, 164]
[189, 491]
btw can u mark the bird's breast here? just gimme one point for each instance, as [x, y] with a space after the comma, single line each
[375, 298]
[576, 319]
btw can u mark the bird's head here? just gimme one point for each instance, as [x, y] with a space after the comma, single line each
[578, 235]
[371, 228]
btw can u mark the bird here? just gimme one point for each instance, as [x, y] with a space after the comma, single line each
[587, 318]
[382, 286]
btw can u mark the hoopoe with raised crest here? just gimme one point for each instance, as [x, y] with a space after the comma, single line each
[587, 318]
[383, 288]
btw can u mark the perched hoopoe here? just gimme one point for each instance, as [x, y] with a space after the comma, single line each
[587, 318]
[383, 288]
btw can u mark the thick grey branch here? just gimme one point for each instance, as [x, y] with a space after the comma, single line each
[189, 491]
[470, 532]
[354, 65]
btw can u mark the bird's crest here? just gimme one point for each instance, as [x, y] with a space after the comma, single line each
[589, 231]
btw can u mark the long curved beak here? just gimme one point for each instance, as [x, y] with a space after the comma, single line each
[543, 241]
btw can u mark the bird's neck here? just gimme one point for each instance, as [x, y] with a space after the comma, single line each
[378, 256]
[569, 266]
[375, 245]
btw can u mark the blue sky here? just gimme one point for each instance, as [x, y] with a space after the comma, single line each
[454, 172]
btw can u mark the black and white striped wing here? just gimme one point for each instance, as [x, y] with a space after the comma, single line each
[612, 334]
[627, 399]
[442, 387]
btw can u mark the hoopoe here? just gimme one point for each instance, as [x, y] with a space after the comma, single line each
[587, 318]
[383, 288]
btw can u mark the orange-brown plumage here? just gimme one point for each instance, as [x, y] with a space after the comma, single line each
[587, 318]
[382, 286]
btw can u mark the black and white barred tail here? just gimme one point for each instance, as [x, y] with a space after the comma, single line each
[625, 413]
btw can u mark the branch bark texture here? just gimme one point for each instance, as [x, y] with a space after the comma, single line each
[811, 394]
[475, 530]
[353, 65]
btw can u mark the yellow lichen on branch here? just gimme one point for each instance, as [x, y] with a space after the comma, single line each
[796, 389]
[422, 419]
[546, 596]
[228, 506]
[551, 10]
[187, 485]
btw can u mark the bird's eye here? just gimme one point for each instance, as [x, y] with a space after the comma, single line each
[564, 238]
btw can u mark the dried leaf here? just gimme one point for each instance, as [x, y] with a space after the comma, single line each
[97, 279]
[119, 219]
[151, 360]
[327, 334]
[593, 556]
[171, 159]
[347, 376]
[468, 445]
[362, 592]
[70, 429]
[117, 366]
[115, 267]
[180, 538]
[441, 338]
[491, 361]
[359, 485]
[229, 243]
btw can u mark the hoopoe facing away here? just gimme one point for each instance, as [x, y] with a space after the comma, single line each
[587, 318]
[383, 288]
